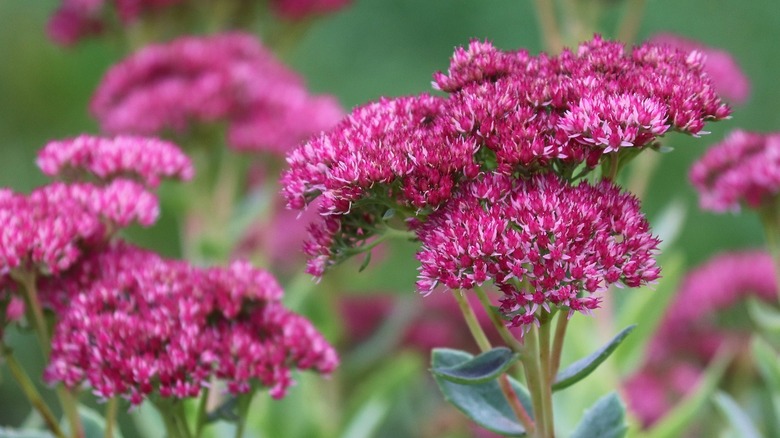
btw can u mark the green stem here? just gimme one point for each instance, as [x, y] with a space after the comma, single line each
[536, 382]
[471, 321]
[557, 346]
[200, 421]
[498, 323]
[547, 376]
[26, 279]
[32, 394]
[484, 345]
[181, 420]
[632, 19]
[548, 23]
[244, 400]
[111, 411]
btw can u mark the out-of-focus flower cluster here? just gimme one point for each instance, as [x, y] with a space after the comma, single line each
[565, 242]
[47, 230]
[742, 169]
[137, 324]
[228, 78]
[689, 336]
[727, 77]
[146, 159]
[514, 115]
[75, 20]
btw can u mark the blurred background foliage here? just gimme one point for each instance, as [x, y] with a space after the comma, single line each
[390, 48]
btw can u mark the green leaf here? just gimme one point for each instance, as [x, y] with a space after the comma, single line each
[768, 363]
[737, 418]
[583, 367]
[483, 403]
[605, 419]
[23, 433]
[487, 366]
[365, 263]
[680, 417]
[764, 315]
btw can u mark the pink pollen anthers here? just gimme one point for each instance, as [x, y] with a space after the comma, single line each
[228, 78]
[146, 159]
[539, 216]
[136, 324]
[690, 335]
[742, 169]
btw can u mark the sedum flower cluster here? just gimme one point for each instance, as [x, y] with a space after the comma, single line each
[740, 170]
[490, 175]
[136, 323]
[226, 78]
[128, 322]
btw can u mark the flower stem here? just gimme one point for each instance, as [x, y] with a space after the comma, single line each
[548, 22]
[471, 321]
[484, 345]
[200, 421]
[69, 404]
[536, 384]
[244, 400]
[557, 346]
[32, 394]
[547, 376]
[26, 279]
[500, 326]
[111, 411]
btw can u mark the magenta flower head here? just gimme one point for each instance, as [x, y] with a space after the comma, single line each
[229, 78]
[48, 230]
[147, 160]
[567, 243]
[506, 112]
[138, 326]
[742, 169]
[75, 20]
[689, 336]
[727, 77]
[300, 9]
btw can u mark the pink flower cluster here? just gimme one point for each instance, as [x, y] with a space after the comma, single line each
[507, 112]
[78, 19]
[145, 159]
[727, 77]
[743, 168]
[136, 324]
[689, 335]
[560, 240]
[300, 9]
[47, 230]
[227, 78]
